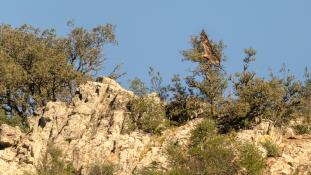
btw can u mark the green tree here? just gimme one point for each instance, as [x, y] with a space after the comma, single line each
[39, 66]
[208, 79]
[256, 98]
[138, 87]
[84, 48]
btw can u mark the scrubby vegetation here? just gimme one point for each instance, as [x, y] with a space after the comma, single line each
[212, 148]
[30, 78]
[10, 120]
[279, 98]
[211, 153]
[251, 161]
[147, 114]
[302, 129]
[53, 164]
[271, 148]
[39, 66]
[102, 169]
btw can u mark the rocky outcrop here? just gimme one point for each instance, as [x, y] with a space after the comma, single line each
[294, 155]
[89, 131]
[15, 153]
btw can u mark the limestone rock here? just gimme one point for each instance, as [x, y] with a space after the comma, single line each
[89, 131]
[295, 151]
[9, 136]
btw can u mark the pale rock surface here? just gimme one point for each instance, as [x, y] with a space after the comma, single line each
[294, 150]
[89, 132]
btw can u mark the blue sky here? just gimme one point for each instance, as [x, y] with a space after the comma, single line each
[153, 33]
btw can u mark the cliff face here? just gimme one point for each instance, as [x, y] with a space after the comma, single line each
[89, 132]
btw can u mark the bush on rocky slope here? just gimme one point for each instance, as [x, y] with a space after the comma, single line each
[102, 169]
[53, 164]
[211, 153]
[147, 113]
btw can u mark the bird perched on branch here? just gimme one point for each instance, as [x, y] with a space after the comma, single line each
[208, 52]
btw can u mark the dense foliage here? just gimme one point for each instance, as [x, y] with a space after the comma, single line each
[39, 66]
[147, 114]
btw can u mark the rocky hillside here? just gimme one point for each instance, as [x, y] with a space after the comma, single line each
[89, 131]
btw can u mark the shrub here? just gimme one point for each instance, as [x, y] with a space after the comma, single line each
[181, 110]
[255, 98]
[52, 163]
[177, 112]
[148, 114]
[211, 153]
[158, 172]
[169, 172]
[138, 87]
[178, 157]
[10, 120]
[177, 172]
[251, 160]
[202, 131]
[102, 169]
[302, 129]
[13, 120]
[180, 107]
[271, 148]
[217, 155]
[214, 156]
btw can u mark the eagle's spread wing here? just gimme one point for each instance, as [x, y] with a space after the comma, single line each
[208, 53]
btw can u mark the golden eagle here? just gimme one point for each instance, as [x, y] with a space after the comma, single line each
[208, 52]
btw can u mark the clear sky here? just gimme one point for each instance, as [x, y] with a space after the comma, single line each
[152, 33]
